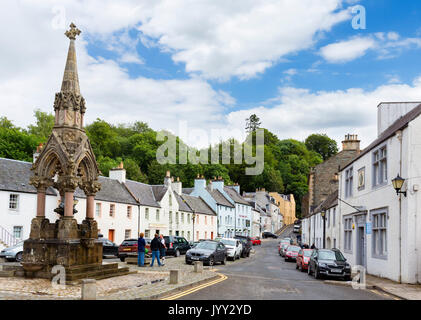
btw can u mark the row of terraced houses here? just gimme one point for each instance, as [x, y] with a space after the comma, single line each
[353, 205]
[124, 208]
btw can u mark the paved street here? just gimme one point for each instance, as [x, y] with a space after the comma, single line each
[265, 276]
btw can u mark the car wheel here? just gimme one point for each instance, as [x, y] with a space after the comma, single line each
[211, 262]
[316, 273]
[347, 278]
[224, 261]
[188, 262]
[18, 257]
[122, 259]
[177, 253]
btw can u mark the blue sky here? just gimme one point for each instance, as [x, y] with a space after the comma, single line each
[299, 65]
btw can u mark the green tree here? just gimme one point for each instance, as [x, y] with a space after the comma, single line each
[44, 125]
[133, 171]
[252, 123]
[322, 144]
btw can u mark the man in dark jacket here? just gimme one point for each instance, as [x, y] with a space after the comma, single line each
[155, 247]
[141, 244]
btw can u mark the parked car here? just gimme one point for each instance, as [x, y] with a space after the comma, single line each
[234, 248]
[129, 248]
[267, 234]
[289, 240]
[303, 259]
[109, 248]
[13, 253]
[209, 252]
[282, 247]
[329, 263]
[247, 245]
[176, 245]
[256, 241]
[291, 252]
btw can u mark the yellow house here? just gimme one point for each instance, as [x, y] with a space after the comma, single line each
[286, 205]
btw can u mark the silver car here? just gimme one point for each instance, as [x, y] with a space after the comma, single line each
[13, 253]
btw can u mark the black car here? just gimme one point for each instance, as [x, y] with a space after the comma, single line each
[247, 245]
[267, 234]
[176, 245]
[329, 263]
[109, 248]
[209, 252]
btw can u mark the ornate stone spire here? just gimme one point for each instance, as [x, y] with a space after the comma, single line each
[70, 78]
[69, 105]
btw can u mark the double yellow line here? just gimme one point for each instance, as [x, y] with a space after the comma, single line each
[200, 287]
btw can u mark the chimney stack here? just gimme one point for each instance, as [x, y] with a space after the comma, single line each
[167, 179]
[37, 153]
[118, 173]
[177, 186]
[351, 142]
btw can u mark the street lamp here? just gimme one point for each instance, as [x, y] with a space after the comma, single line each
[324, 228]
[397, 184]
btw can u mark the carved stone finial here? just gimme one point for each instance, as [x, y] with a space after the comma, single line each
[73, 32]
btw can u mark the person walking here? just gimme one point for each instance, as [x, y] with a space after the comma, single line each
[162, 249]
[155, 247]
[141, 245]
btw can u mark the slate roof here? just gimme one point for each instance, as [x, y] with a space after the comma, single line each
[330, 202]
[112, 191]
[198, 205]
[399, 124]
[235, 196]
[187, 190]
[159, 191]
[220, 198]
[14, 176]
[182, 205]
[143, 193]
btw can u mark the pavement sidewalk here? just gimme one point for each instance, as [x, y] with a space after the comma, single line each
[400, 290]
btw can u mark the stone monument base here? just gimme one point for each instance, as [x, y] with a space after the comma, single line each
[67, 244]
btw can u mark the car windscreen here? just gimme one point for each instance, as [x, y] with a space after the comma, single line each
[206, 245]
[129, 243]
[331, 255]
[307, 253]
[228, 242]
[294, 248]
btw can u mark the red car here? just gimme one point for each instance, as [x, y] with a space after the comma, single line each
[256, 241]
[291, 252]
[303, 259]
[128, 248]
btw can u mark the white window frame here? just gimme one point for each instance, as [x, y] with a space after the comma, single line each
[379, 166]
[349, 182]
[348, 234]
[21, 232]
[379, 233]
[15, 202]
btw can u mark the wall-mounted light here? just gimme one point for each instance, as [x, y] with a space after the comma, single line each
[397, 184]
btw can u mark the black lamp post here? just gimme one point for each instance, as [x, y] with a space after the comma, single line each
[397, 184]
[324, 228]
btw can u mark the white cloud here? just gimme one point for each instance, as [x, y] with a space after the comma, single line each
[347, 50]
[220, 39]
[387, 46]
[296, 113]
[33, 57]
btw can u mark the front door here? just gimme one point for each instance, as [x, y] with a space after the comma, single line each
[111, 235]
